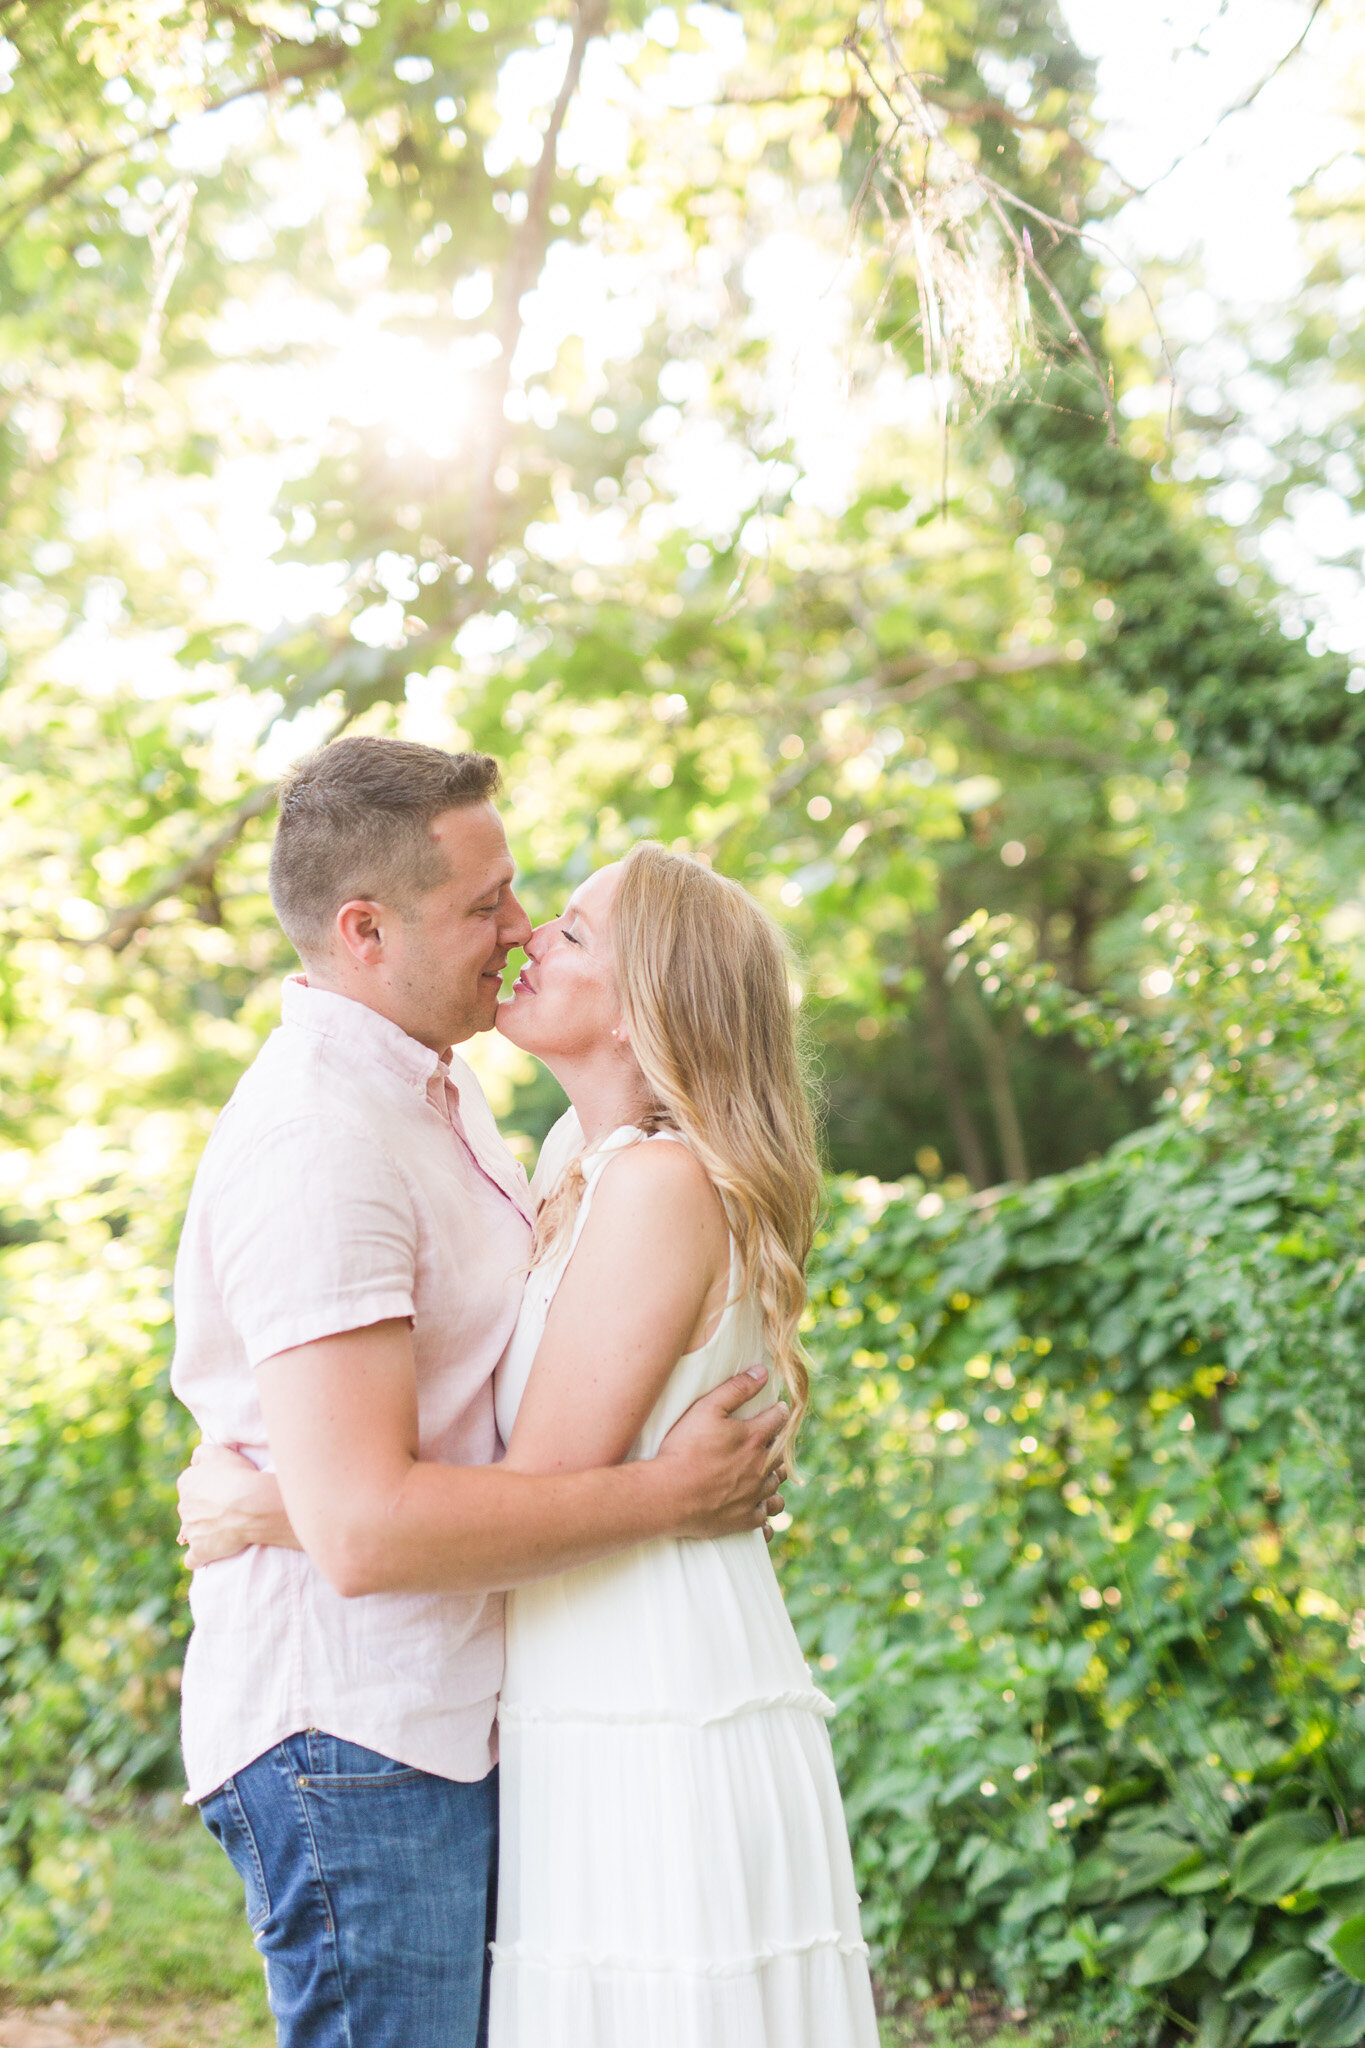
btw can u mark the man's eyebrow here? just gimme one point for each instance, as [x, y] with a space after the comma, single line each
[494, 887]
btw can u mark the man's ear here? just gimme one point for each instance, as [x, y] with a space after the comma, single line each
[359, 928]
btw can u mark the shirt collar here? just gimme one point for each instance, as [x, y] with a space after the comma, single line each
[360, 1030]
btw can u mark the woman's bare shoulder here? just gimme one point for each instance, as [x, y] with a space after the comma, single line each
[667, 1178]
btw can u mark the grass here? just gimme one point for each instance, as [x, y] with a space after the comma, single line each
[962, 2023]
[174, 1964]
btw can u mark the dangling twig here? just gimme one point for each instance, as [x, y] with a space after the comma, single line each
[166, 239]
[975, 315]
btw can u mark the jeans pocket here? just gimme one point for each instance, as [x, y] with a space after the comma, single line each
[333, 1761]
[225, 1818]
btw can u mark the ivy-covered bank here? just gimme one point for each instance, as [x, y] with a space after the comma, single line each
[1071, 1553]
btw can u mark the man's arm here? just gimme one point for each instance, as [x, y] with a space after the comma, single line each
[341, 1420]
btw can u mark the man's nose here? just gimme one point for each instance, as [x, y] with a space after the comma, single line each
[516, 926]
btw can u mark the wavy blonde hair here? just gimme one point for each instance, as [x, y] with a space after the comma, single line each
[702, 973]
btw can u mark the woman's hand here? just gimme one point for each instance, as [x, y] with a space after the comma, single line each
[226, 1505]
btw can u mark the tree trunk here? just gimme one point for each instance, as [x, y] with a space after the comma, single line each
[995, 1061]
[938, 1034]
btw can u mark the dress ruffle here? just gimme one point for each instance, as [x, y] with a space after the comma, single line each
[805, 1700]
[672, 1966]
[813, 1996]
[677, 1882]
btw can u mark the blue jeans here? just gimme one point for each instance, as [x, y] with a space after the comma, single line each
[370, 1891]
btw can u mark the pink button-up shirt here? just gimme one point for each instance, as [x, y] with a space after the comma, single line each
[352, 1177]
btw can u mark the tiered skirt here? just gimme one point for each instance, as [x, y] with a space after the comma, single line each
[675, 1868]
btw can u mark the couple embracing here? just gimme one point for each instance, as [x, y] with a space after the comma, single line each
[423, 1383]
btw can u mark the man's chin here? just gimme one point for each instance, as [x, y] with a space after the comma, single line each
[482, 1018]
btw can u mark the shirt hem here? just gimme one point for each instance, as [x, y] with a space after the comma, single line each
[196, 1791]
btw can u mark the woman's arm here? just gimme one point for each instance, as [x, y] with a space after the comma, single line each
[226, 1504]
[648, 1276]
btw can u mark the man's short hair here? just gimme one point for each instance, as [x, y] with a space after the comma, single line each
[355, 822]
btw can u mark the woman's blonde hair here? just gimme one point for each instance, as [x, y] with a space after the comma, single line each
[703, 978]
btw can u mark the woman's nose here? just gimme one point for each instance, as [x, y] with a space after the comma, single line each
[534, 946]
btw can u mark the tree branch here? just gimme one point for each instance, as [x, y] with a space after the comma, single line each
[310, 58]
[905, 681]
[522, 269]
[528, 254]
[523, 266]
[1238, 106]
[908, 677]
[196, 869]
[961, 109]
[1074, 752]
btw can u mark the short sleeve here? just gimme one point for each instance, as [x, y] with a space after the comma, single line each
[313, 1234]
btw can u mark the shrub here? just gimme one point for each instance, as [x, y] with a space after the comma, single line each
[1071, 1549]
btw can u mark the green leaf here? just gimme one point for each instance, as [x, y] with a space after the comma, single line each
[997, 1861]
[1292, 1974]
[1342, 1863]
[1096, 1880]
[1335, 2018]
[1033, 1899]
[1348, 1946]
[1231, 1938]
[1195, 1874]
[912, 1858]
[1275, 1857]
[1278, 2025]
[1173, 1946]
[1146, 1858]
[1216, 2019]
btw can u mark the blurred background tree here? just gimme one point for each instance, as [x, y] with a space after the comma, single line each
[743, 422]
[461, 376]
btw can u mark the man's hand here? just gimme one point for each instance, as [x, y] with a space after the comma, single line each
[726, 1471]
[226, 1504]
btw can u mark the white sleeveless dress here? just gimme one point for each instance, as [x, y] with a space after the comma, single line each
[675, 1869]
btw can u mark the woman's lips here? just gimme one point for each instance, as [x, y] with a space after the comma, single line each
[521, 986]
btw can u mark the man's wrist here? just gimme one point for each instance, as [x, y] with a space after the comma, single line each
[259, 1507]
[669, 1496]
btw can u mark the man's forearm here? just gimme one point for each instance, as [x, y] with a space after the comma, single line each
[474, 1528]
[342, 1423]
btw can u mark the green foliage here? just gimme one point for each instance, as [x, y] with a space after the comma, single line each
[1074, 1545]
[92, 1613]
[173, 1933]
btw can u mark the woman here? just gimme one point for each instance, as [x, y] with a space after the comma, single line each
[674, 1863]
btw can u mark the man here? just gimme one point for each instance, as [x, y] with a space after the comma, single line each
[349, 1274]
